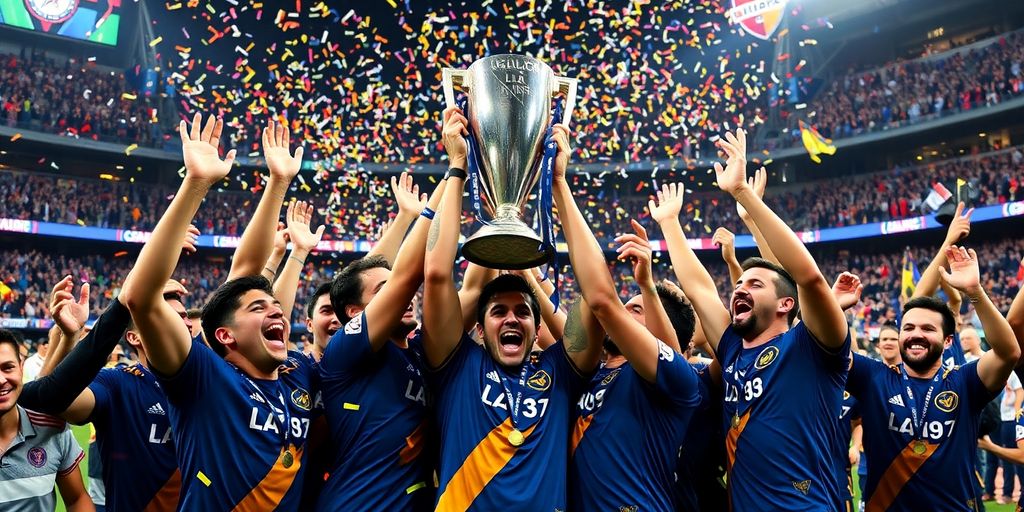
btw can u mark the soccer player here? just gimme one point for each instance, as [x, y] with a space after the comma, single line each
[374, 396]
[783, 386]
[36, 450]
[126, 405]
[920, 419]
[503, 411]
[639, 404]
[239, 409]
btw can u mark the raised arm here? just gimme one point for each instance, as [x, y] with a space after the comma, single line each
[410, 204]
[758, 182]
[473, 282]
[727, 241]
[299, 216]
[637, 247]
[385, 311]
[166, 339]
[821, 313]
[598, 290]
[958, 230]
[258, 238]
[695, 281]
[553, 319]
[1015, 316]
[69, 317]
[442, 312]
[281, 240]
[995, 366]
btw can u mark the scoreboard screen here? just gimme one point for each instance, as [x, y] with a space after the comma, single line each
[95, 21]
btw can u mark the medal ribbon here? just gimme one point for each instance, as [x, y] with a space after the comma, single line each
[908, 393]
[280, 396]
[513, 405]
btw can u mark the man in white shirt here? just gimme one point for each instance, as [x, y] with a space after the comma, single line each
[34, 364]
[1009, 403]
[971, 343]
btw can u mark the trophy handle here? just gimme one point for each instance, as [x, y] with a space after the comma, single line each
[450, 77]
[567, 86]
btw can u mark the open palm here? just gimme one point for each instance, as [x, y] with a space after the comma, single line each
[276, 150]
[199, 147]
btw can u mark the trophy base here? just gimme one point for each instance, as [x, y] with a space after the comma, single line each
[507, 245]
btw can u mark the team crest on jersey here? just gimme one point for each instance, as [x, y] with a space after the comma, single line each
[37, 457]
[766, 357]
[665, 352]
[354, 326]
[610, 377]
[804, 486]
[540, 381]
[846, 395]
[947, 401]
[629, 508]
[300, 397]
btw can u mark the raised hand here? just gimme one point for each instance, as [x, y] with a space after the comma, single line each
[638, 247]
[963, 273]
[281, 237]
[961, 225]
[758, 182]
[199, 148]
[407, 194]
[732, 178]
[560, 134]
[668, 204]
[726, 240]
[382, 228]
[172, 287]
[69, 314]
[276, 151]
[299, 216]
[188, 245]
[454, 131]
[847, 290]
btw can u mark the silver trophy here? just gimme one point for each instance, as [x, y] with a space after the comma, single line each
[509, 111]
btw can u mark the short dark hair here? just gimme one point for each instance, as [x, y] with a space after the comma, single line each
[14, 339]
[194, 313]
[347, 286]
[785, 285]
[680, 313]
[224, 302]
[507, 283]
[890, 326]
[936, 305]
[323, 289]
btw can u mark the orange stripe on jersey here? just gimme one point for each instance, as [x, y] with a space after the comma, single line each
[166, 499]
[582, 423]
[267, 494]
[900, 471]
[413, 444]
[732, 438]
[485, 461]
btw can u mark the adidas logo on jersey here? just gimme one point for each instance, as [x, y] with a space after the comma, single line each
[156, 409]
[493, 375]
[257, 398]
[896, 400]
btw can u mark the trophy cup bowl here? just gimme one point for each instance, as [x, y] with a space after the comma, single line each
[509, 112]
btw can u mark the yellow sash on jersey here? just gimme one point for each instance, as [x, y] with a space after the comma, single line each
[485, 461]
[900, 471]
[267, 494]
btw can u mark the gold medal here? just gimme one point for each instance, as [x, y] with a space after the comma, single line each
[287, 459]
[515, 437]
[919, 447]
[735, 421]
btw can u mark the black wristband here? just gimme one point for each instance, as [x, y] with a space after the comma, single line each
[455, 172]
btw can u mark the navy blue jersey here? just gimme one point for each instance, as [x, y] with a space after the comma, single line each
[376, 408]
[849, 412]
[927, 464]
[953, 355]
[482, 469]
[133, 434]
[700, 469]
[781, 407]
[239, 440]
[639, 426]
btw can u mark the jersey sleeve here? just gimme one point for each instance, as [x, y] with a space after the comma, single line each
[834, 361]
[196, 376]
[347, 349]
[1014, 382]
[976, 392]
[676, 379]
[1019, 426]
[443, 375]
[70, 453]
[101, 388]
[862, 371]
